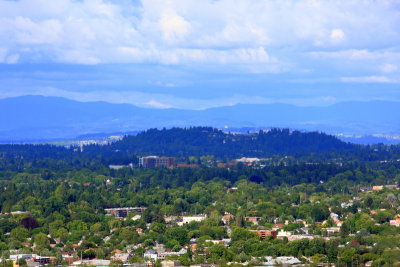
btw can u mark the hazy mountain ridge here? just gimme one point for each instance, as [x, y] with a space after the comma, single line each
[38, 117]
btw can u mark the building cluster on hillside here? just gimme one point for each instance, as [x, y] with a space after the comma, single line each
[150, 162]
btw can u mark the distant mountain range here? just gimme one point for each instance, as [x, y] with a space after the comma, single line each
[30, 118]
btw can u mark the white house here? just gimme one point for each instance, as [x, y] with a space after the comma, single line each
[269, 261]
[151, 254]
[194, 218]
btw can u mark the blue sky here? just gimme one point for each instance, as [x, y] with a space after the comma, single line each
[196, 54]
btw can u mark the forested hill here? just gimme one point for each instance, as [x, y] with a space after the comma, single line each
[199, 141]
[202, 141]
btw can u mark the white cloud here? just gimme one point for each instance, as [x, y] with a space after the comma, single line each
[156, 104]
[368, 79]
[43, 32]
[12, 59]
[362, 57]
[82, 56]
[388, 68]
[227, 32]
[3, 54]
[174, 27]
[337, 35]
[187, 56]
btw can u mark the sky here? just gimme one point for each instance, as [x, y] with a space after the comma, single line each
[197, 54]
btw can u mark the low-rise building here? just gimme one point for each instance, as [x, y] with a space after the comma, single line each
[123, 212]
[377, 188]
[165, 254]
[395, 222]
[17, 257]
[265, 233]
[92, 263]
[299, 237]
[248, 160]
[150, 254]
[156, 161]
[170, 263]
[282, 234]
[185, 165]
[124, 257]
[270, 261]
[254, 220]
[224, 242]
[332, 230]
[195, 218]
[227, 218]
[277, 226]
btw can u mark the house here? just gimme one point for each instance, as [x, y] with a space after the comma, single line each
[391, 186]
[248, 161]
[169, 263]
[166, 254]
[345, 205]
[270, 261]
[150, 254]
[224, 242]
[17, 257]
[92, 263]
[232, 189]
[171, 219]
[254, 220]
[334, 216]
[332, 230]
[265, 233]
[124, 257]
[33, 259]
[18, 212]
[27, 244]
[67, 257]
[305, 230]
[136, 217]
[45, 260]
[282, 234]
[277, 226]
[31, 263]
[123, 212]
[226, 165]
[299, 237]
[185, 165]
[227, 218]
[116, 167]
[194, 218]
[395, 222]
[339, 223]
[365, 189]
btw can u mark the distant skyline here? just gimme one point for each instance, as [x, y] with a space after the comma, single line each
[197, 54]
